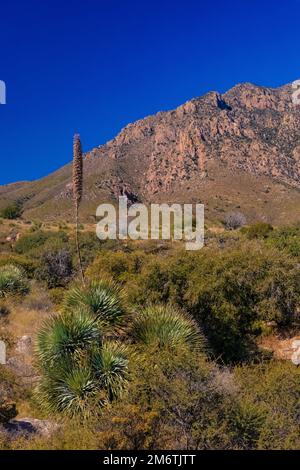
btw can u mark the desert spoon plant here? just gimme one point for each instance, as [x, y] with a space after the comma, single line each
[77, 191]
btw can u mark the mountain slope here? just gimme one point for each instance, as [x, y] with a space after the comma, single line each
[237, 151]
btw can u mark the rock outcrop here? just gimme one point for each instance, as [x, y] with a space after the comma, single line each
[205, 147]
[249, 128]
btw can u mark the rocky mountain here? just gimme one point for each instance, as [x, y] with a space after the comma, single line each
[236, 151]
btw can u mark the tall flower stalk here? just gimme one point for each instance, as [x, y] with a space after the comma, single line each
[77, 192]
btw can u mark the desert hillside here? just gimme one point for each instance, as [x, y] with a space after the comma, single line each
[237, 150]
[141, 344]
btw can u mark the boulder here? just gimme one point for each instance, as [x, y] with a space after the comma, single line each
[30, 427]
[24, 345]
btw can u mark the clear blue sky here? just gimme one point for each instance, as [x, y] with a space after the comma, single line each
[92, 66]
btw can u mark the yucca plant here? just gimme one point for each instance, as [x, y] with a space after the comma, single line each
[80, 371]
[64, 337]
[71, 391]
[110, 364]
[82, 387]
[77, 183]
[103, 299]
[162, 326]
[12, 281]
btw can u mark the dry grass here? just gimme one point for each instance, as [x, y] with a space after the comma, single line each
[24, 320]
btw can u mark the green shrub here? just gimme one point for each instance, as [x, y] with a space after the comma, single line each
[13, 211]
[271, 391]
[280, 295]
[23, 262]
[117, 264]
[103, 299]
[90, 245]
[258, 230]
[64, 336]
[12, 281]
[183, 401]
[71, 391]
[165, 327]
[287, 239]
[31, 241]
[232, 293]
[80, 374]
[172, 403]
[110, 366]
[246, 423]
[36, 243]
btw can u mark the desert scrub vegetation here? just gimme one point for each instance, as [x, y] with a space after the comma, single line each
[12, 280]
[82, 363]
[53, 252]
[102, 299]
[258, 230]
[26, 264]
[36, 243]
[234, 220]
[55, 268]
[286, 239]
[232, 293]
[11, 212]
[169, 354]
[160, 327]
[271, 389]
[184, 401]
[84, 354]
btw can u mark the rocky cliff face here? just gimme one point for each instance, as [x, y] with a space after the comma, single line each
[249, 128]
[249, 131]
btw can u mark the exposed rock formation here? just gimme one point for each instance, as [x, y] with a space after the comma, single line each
[249, 128]
[206, 148]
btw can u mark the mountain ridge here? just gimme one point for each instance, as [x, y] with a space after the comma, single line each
[209, 148]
